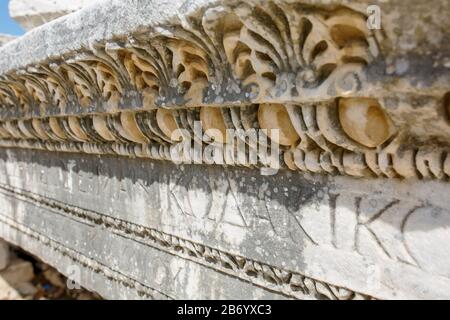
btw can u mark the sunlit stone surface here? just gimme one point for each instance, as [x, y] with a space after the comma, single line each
[33, 13]
[232, 149]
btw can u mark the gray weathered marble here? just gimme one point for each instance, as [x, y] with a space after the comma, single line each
[356, 208]
[170, 229]
[33, 13]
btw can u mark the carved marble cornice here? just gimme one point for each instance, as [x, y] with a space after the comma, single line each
[314, 71]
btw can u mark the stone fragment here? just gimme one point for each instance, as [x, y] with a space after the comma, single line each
[4, 255]
[33, 13]
[18, 271]
[26, 289]
[54, 277]
[8, 292]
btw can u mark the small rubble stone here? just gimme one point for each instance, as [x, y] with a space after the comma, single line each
[7, 292]
[26, 289]
[29, 279]
[54, 277]
[18, 271]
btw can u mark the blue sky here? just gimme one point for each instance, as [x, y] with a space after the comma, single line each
[8, 25]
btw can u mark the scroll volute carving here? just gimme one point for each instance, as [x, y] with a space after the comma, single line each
[92, 79]
[190, 68]
[248, 65]
[20, 95]
[349, 33]
[109, 85]
[52, 85]
[57, 93]
[143, 76]
[6, 98]
[81, 84]
[38, 92]
[267, 45]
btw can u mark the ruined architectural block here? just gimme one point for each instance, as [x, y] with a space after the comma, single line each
[5, 38]
[33, 13]
[233, 149]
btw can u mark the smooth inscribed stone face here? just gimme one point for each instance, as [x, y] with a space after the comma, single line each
[364, 121]
[426, 233]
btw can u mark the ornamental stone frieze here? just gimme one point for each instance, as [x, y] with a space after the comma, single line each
[233, 149]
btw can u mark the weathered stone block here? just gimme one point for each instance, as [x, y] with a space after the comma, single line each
[4, 254]
[33, 13]
[18, 271]
[233, 149]
[7, 292]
